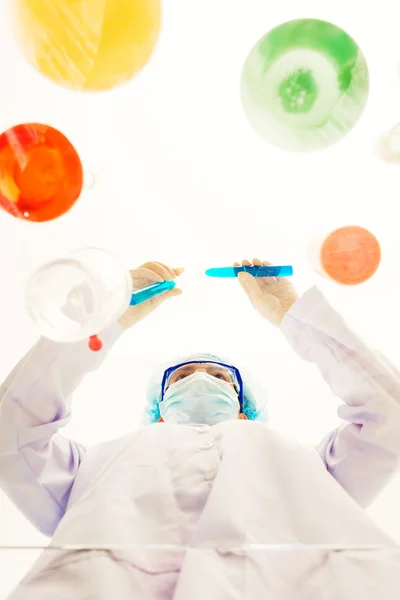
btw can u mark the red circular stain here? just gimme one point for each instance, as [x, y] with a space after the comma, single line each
[41, 175]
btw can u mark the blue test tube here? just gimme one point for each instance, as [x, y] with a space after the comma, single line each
[151, 291]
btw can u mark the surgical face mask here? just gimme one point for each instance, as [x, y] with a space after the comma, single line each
[199, 398]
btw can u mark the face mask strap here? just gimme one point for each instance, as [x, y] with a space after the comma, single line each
[169, 371]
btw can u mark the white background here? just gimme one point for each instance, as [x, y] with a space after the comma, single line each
[181, 177]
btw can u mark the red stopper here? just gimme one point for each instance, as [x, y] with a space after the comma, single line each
[95, 344]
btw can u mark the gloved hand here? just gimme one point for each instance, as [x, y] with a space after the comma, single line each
[271, 297]
[148, 274]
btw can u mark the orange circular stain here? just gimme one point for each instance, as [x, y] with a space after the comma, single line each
[350, 255]
[41, 175]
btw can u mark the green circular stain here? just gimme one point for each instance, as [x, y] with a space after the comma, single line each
[304, 85]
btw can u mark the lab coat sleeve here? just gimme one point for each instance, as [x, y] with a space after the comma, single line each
[363, 453]
[38, 465]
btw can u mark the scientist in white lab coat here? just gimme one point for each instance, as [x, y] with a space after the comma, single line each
[206, 501]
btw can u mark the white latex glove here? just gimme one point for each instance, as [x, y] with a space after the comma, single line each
[148, 274]
[271, 297]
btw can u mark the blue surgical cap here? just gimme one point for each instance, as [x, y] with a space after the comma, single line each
[255, 410]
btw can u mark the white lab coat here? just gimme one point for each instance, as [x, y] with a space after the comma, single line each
[229, 512]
